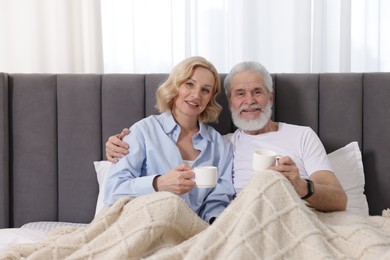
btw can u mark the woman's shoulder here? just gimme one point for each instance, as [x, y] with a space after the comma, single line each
[145, 125]
[215, 135]
[152, 119]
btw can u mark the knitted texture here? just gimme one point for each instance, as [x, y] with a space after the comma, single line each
[269, 221]
[130, 229]
[266, 221]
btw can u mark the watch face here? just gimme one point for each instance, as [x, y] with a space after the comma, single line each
[311, 186]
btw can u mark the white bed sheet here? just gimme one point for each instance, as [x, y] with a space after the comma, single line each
[30, 233]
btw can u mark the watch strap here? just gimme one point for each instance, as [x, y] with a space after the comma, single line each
[310, 189]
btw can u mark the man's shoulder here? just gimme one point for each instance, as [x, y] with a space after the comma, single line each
[303, 132]
[289, 127]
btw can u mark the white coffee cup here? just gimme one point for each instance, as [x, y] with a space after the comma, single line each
[263, 158]
[205, 176]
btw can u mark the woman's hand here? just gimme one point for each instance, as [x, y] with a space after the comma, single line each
[179, 180]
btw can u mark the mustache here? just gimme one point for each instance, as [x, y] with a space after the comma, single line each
[255, 106]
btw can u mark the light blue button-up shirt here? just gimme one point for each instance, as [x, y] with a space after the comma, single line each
[153, 151]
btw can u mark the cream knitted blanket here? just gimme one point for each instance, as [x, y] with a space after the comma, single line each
[266, 221]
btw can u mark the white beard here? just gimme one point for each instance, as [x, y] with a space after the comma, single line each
[252, 124]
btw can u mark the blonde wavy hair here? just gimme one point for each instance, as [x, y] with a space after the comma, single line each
[182, 72]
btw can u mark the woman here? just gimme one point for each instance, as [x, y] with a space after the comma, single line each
[165, 147]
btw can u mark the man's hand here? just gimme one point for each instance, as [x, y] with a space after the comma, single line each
[287, 167]
[178, 180]
[115, 147]
[328, 195]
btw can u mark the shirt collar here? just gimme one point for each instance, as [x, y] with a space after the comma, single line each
[169, 124]
[204, 131]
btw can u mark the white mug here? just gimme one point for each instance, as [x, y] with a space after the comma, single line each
[205, 176]
[263, 158]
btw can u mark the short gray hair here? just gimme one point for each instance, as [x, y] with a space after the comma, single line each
[252, 66]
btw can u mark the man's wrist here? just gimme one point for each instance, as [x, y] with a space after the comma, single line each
[310, 189]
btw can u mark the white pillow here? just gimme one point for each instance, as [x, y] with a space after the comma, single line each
[46, 226]
[101, 169]
[348, 166]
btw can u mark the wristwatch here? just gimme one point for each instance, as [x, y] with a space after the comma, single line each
[310, 189]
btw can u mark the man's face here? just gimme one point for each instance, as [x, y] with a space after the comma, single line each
[250, 101]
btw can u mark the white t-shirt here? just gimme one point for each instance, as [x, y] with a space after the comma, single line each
[300, 143]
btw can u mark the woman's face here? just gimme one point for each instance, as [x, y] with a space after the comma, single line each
[195, 93]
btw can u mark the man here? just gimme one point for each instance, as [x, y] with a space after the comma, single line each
[304, 162]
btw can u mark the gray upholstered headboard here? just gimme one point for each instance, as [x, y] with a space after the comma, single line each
[52, 127]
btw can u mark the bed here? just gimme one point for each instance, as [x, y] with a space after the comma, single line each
[53, 128]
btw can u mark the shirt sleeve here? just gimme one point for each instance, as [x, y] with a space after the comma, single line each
[125, 178]
[314, 156]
